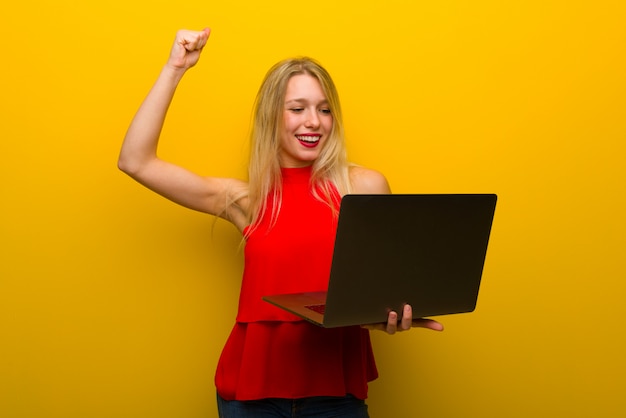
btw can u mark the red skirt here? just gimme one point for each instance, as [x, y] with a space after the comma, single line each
[294, 360]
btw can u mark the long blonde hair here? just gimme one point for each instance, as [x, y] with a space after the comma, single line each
[330, 169]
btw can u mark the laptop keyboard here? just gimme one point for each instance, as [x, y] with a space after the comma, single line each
[317, 308]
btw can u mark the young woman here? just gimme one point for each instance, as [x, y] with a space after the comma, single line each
[275, 364]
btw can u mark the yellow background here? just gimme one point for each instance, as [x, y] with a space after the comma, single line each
[116, 303]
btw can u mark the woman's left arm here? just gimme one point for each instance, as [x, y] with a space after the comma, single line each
[367, 181]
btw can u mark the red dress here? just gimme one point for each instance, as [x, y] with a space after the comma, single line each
[271, 353]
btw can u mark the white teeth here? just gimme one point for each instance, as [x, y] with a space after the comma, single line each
[311, 139]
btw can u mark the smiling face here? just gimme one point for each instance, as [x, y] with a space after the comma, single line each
[307, 122]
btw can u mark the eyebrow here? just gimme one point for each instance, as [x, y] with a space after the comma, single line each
[300, 101]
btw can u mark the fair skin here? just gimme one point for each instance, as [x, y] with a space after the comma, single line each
[306, 124]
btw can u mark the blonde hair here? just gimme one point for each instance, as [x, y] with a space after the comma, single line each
[330, 169]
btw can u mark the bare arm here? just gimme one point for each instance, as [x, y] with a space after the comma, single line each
[138, 157]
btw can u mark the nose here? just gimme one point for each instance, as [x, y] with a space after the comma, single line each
[312, 120]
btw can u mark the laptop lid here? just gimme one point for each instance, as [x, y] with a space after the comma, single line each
[427, 250]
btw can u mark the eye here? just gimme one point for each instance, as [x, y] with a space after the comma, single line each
[325, 111]
[296, 109]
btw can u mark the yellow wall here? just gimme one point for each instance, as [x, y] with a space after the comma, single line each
[116, 303]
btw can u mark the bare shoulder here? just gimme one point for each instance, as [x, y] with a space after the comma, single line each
[367, 181]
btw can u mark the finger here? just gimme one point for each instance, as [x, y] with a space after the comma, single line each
[428, 323]
[190, 42]
[193, 41]
[407, 318]
[392, 323]
[203, 38]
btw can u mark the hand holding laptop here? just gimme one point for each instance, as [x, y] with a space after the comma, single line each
[394, 325]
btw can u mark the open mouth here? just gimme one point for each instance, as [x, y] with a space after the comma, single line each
[309, 141]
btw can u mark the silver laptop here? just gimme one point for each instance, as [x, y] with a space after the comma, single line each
[427, 250]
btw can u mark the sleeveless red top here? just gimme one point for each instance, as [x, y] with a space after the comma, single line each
[270, 352]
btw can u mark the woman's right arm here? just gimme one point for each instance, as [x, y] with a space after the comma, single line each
[138, 156]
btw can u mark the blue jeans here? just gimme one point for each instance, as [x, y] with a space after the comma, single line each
[319, 407]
